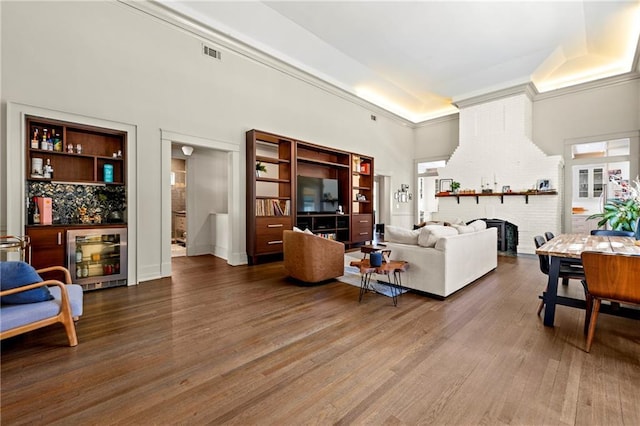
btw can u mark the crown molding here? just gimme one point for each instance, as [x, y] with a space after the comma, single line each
[223, 41]
[590, 85]
[528, 89]
[451, 117]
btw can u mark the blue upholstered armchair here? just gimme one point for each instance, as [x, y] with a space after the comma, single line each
[29, 303]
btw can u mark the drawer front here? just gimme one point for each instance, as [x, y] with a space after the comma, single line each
[361, 228]
[269, 232]
[47, 237]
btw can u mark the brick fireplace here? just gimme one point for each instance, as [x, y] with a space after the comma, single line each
[507, 235]
[496, 149]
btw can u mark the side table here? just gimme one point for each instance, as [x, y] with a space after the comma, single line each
[393, 267]
[372, 248]
[21, 244]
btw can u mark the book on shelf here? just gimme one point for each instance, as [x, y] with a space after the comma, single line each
[328, 236]
[273, 207]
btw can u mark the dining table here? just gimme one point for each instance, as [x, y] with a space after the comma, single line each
[568, 248]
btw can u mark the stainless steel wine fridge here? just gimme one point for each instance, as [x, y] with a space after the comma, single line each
[97, 257]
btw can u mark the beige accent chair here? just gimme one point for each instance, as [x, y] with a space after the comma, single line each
[312, 259]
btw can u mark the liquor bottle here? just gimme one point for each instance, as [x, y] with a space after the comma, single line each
[36, 212]
[47, 170]
[78, 254]
[44, 145]
[35, 140]
[29, 212]
[50, 141]
[57, 143]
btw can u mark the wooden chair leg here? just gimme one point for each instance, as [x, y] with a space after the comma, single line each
[592, 325]
[587, 315]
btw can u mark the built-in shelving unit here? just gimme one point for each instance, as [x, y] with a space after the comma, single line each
[272, 197]
[77, 153]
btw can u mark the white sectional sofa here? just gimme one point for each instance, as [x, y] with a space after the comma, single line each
[447, 260]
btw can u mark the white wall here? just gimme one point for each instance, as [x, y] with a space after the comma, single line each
[437, 138]
[207, 189]
[109, 61]
[599, 110]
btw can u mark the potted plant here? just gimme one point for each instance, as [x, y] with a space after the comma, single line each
[455, 186]
[621, 214]
[260, 168]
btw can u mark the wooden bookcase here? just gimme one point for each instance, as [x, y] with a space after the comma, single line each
[97, 148]
[362, 199]
[269, 193]
[272, 197]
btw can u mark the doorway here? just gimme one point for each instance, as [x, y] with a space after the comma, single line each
[596, 170]
[178, 203]
[212, 176]
[427, 182]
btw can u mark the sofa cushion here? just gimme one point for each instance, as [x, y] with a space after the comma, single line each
[429, 234]
[395, 234]
[18, 315]
[15, 274]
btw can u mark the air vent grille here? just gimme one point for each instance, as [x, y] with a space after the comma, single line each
[209, 51]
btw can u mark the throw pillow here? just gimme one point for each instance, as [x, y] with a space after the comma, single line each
[431, 222]
[395, 234]
[478, 225]
[308, 231]
[430, 234]
[16, 274]
[464, 229]
[296, 229]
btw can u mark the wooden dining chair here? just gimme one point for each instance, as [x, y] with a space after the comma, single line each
[610, 276]
[567, 271]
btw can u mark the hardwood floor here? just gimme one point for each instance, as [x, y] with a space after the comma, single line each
[242, 345]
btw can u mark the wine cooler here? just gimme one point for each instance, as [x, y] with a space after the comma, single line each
[97, 258]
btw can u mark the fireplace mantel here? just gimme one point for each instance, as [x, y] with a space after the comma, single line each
[526, 195]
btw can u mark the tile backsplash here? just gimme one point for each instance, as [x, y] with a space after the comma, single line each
[68, 199]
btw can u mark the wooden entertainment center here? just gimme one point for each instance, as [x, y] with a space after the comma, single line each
[274, 204]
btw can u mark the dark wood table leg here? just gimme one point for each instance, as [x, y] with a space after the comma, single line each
[551, 294]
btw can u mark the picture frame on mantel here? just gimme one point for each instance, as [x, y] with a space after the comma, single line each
[543, 185]
[445, 185]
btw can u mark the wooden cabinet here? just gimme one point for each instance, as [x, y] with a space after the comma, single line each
[361, 228]
[77, 153]
[269, 232]
[48, 248]
[274, 204]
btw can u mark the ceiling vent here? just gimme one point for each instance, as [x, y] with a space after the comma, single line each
[209, 51]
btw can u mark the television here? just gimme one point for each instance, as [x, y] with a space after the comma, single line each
[317, 195]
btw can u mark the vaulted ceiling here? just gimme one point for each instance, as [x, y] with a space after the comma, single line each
[416, 58]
